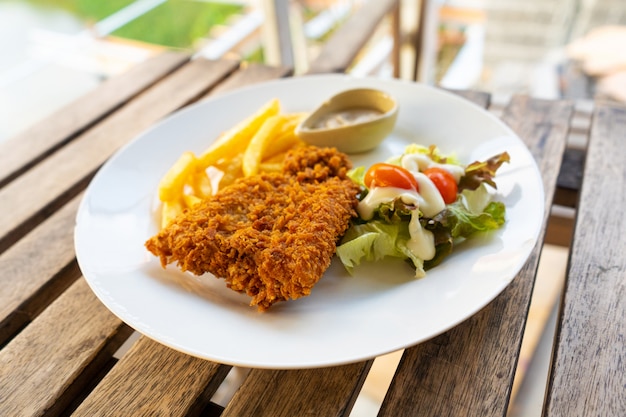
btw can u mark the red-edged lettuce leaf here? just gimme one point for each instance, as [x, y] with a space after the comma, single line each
[457, 222]
[480, 172]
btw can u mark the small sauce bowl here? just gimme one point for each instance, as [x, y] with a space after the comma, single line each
[352, 121]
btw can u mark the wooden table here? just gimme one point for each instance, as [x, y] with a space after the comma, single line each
[58, 341]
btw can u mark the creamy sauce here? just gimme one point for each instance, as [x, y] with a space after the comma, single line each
[420, 162]
[431, 200]
[346, 117]
[422, 242]
[428, 201]
[381, 195]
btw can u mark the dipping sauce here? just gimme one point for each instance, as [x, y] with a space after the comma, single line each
[346, 117]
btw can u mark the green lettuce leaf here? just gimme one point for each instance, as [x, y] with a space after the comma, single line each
[432, 152]
[457, 222]
[376, 240]
[358, 175]
[387, 234]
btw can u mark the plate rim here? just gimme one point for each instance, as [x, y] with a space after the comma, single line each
[247, 90]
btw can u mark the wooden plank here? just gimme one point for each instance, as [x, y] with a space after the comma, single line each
[36, 270]
[154, 380]
[43, 368]
[420, 45]
[156, 389]
[588, 373]
[59, 177]
[432, 377]
[548, 287]
[570, 177]
[278, 17]
[342, 48]
[323, 392]
[24, 150]
[328, 392]
[250, 74]
[560, 229]
[480, 98]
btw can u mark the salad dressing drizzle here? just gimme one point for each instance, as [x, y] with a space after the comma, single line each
[422, 242]
[411, 189]
[428, 201]
[431, 201]
[380, 195]
[415, 162]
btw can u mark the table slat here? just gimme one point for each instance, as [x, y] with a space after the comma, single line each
[47, 364]
[36, 270]
[67, 171]
[154, 380]
[249, 75]
[156, 386]
[328, 392]
[30, 146]
[432, 377]
[480, 98]
[323, 392]
[588, 375]
[345, 44]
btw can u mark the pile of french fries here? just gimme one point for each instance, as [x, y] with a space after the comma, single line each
[257, 144]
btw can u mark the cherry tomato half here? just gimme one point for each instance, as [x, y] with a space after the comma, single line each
[445, 183]
[388, 175]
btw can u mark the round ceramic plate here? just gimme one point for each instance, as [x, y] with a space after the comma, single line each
[379, 309]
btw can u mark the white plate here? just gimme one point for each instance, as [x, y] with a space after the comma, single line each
[347, 318]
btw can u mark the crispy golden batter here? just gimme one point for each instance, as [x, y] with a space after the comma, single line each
[271, 236]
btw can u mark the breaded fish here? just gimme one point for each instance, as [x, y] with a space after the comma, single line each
[271, 236]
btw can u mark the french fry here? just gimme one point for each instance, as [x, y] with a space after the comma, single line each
[292, 121]
[236, 140]
[231, 169]
[274, 159]
[202, 184]
[270, 166]
[254, 152]
[282, 144]
[257, 144]
[172, 183]
[169, 211]
[191, 200]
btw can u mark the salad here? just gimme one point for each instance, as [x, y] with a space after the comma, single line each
[419, 205]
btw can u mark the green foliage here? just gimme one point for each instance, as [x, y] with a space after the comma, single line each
[88, 10]
[256, 56]
[175, 23]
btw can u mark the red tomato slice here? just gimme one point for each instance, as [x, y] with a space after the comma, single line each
[445, 183]
[388, 175]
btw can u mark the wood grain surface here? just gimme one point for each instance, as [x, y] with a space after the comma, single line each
[154, 380]
[324, 392]
[448, 376]
[22, 151]
[250, 74]
[47, 364]
[58, 340]
[36, 270]
[152, 383]
[66, 172]
[588, 375]
[344, 45]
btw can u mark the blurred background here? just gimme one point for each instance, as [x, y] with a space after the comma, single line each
[53, 51]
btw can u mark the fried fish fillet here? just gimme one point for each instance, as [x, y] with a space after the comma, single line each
[271, 236]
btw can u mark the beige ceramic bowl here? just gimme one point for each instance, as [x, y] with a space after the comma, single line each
[352, 121]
